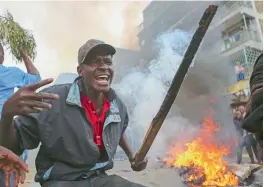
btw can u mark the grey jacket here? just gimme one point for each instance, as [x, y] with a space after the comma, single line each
[67, 148]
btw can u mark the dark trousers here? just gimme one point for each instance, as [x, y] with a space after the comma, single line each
[99, 181]
[250, 143]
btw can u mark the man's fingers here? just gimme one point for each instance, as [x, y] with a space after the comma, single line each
[22, 176]
[7, 176]
[17, 176]
[40, 84]
[28, 110]
[37, 105]
[43, 95]
[17, 161]
[39, 96]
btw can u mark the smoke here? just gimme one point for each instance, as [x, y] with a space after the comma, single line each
[143, 91]
[204, 88]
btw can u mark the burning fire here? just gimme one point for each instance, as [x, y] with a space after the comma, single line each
[204, 156]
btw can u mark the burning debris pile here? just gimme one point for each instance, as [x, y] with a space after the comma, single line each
[200, 162]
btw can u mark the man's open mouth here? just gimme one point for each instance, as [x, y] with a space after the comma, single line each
[102, 79]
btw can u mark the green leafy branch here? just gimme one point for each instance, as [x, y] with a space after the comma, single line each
[15, 38]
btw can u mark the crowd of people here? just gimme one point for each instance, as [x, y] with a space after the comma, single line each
[80, 124]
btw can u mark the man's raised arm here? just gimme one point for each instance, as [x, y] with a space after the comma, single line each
[31, 69]
[25, 101]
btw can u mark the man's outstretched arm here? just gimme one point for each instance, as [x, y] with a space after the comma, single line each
[25, 101]
[135, 165]
[126, 147]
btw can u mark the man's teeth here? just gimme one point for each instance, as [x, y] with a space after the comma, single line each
[103, 76]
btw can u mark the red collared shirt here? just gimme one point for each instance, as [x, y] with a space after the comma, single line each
[96, 120]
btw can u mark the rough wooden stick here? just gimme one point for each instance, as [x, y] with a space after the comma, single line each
[176, 82]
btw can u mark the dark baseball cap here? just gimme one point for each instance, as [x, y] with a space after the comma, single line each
[92, 46]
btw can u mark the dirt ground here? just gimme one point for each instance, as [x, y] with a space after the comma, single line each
[153, 176]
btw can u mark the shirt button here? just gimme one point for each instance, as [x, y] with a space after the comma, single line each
[93, 111]
[89, 102]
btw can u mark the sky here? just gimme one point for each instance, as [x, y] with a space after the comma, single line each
[60, 28]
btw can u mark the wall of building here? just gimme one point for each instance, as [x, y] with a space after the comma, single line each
[259, 8]
[184, 15]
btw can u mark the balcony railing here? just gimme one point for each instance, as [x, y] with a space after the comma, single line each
[248, 70]
[238, 39]
[227, 8]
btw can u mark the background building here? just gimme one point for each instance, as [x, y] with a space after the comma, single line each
[123, 61]
[235, 33]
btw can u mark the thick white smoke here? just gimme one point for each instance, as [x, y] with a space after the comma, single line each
[143, 90]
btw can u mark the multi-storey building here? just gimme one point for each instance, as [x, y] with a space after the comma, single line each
[235, 32]
[240, 23]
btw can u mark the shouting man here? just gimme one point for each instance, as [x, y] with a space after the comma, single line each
[80, 131]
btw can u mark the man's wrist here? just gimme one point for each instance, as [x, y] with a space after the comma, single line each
[6, 119]
[25, 58]
[6, 114]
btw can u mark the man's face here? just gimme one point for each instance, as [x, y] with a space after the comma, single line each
[97, 73]
[2, 54]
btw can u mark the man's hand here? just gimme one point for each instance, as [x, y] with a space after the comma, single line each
[138, 166]
[9, 162]
[23, 53]
[26, 100]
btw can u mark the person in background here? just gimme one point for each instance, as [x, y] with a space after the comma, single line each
[11, 78]
[240, 71]
[250, 139]
[242, 139]
[253, 120]
[237, 120]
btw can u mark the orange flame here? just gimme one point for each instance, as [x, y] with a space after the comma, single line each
[203, 152]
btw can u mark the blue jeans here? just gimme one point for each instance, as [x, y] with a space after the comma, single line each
[24, 157]
[240, 76]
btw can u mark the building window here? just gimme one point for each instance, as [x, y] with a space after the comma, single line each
[237, 37]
